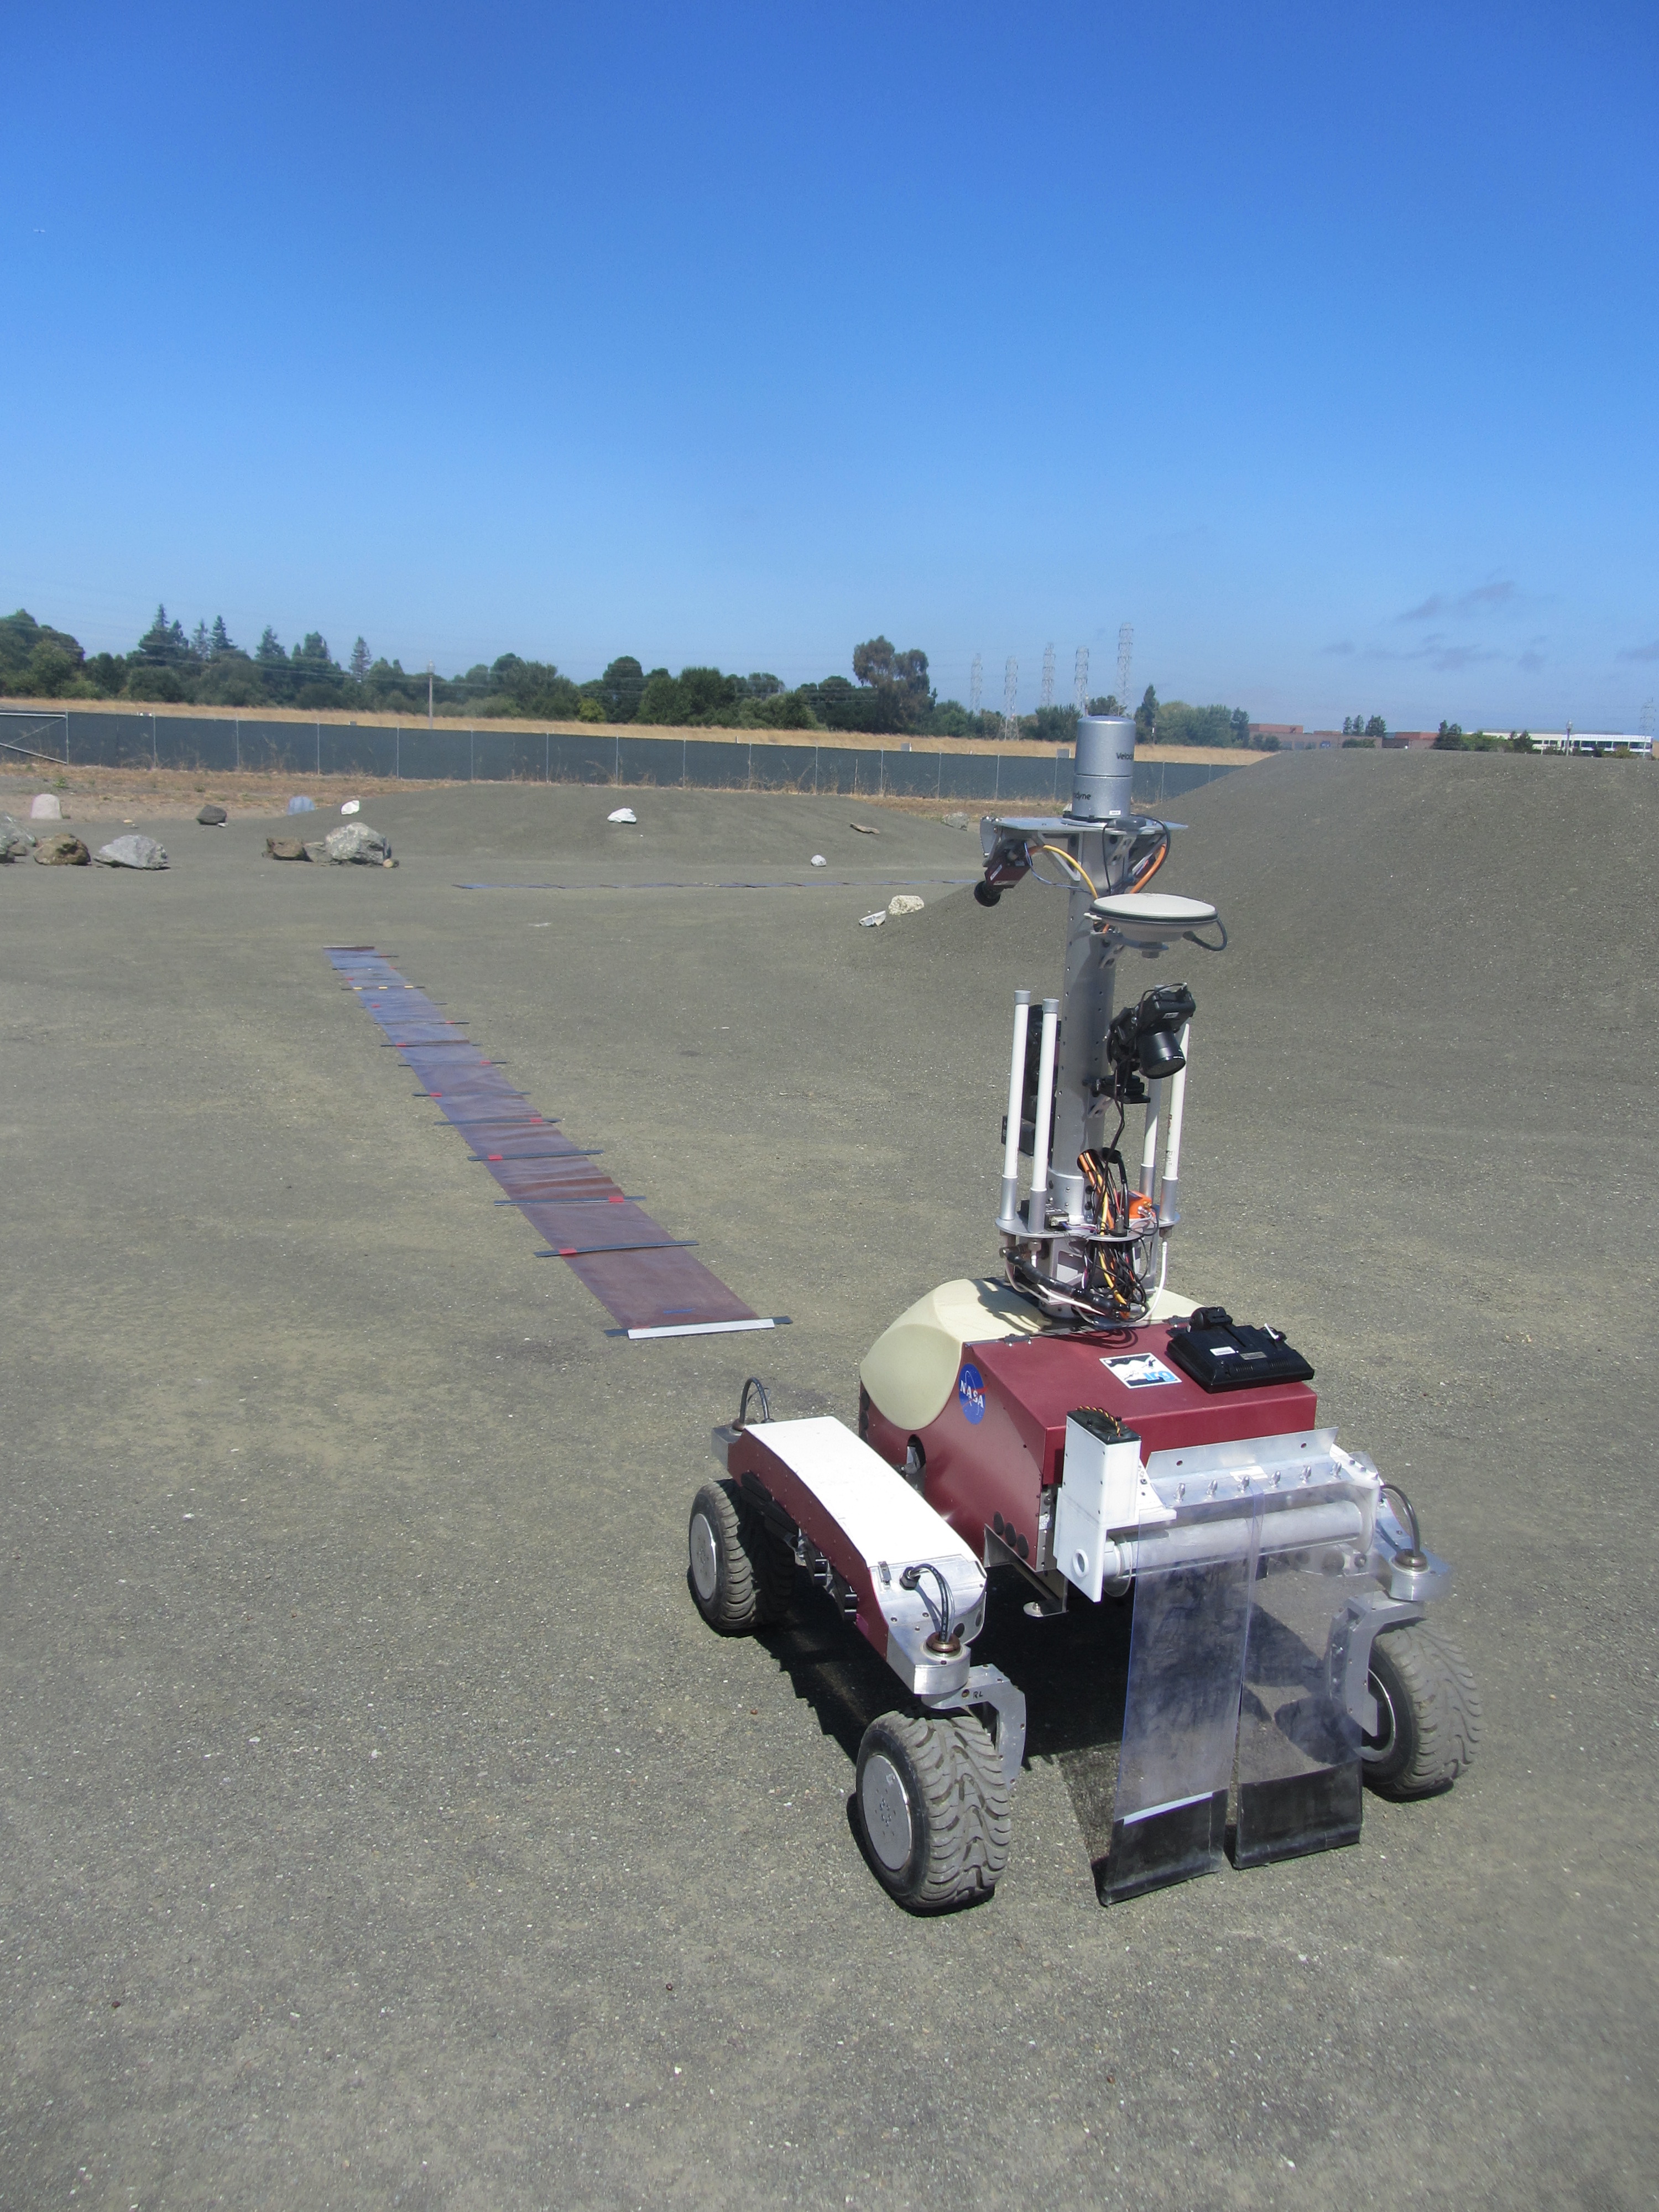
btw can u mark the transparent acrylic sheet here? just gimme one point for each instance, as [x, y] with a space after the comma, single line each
[1180, 1723]
[1298, 1747]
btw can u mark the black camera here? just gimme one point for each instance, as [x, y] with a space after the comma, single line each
[1143, 1042]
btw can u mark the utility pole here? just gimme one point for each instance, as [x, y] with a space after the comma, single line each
[1011, 700]
[976, 686]
[1126, 646]
[429, 695]
[1046, 695]
[1080, 681]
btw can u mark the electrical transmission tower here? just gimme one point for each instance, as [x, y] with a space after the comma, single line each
[1080, 681]
[976, 686]
[1046, 695]
[1010, 699]
[1647, 718]
[1125, 647]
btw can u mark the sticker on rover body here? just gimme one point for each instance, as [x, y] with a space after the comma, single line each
[1137, 1370]
[970, 1393]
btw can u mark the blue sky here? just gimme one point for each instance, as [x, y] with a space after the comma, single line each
[1318, 342]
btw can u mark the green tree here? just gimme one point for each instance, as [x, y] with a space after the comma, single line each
[901, 697]
[361, 662]
[1146, 717]
[1051, 726]
[620, 686]
[219, 641]
[164, 644]
[1449, 738]
[659, 701]
[1377, 727]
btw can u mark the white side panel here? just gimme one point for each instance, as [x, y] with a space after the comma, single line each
[883, 1518]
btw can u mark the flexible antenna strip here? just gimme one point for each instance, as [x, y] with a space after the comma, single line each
[645, 1277]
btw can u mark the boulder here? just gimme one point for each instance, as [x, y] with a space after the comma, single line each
[16, 842]
[286, 848]
[211, 815]
[63, 849]
[355, 840]
[906, 902]
[44, 807]
[131, 851]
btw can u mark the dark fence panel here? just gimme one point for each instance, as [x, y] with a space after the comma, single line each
[435, 754]
[358, 750]
[510, 756]
[181, 742]
[783, 767]
[110, 740]
[709, 764]
[580, 758]
[1036, 778]
[659, 760]
[276, 746]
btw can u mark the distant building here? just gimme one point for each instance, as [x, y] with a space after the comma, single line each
[1285, 732]
[1597, 744]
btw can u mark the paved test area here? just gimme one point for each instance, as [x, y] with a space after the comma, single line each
[381, 1824]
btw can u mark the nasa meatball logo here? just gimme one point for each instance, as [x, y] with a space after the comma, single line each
[970, 1393]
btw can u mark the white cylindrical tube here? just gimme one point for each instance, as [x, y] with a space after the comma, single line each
[1036, 1211]
[1207, 1543]
[1008, 1211]
[1149, 1140]
[1168, 1197]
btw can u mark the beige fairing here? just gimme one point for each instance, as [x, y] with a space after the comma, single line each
[911, 1369]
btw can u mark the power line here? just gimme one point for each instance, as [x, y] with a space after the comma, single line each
[1080, 681]
[1046, 695]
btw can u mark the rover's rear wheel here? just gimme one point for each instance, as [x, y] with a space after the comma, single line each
[1428, 1712]
[741, 1574]
[933, 1806]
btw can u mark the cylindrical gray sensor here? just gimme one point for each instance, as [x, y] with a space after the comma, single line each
[1102, 772]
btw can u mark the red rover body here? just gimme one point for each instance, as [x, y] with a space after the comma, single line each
[990, 1463]
[1080, 1429]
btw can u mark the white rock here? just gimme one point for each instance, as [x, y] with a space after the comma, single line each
[350, 806]
[906, 902]
[622, 814]
[132, 851]
[818, 860]
[873, 921]
[44, 807]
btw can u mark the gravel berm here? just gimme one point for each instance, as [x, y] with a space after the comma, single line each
[382, 1825]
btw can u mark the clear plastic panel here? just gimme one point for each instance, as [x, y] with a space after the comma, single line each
[1298, 1746]
[1180, 1724]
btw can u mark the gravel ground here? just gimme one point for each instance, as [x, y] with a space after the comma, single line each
[381, 1825]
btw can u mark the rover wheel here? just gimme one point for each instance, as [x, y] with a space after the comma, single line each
[1428, 1712]
[741, 1574]
[933, 1806]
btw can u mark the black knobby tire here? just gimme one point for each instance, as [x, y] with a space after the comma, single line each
[741, 1575]
[933, 1806]
[1428, 1712]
